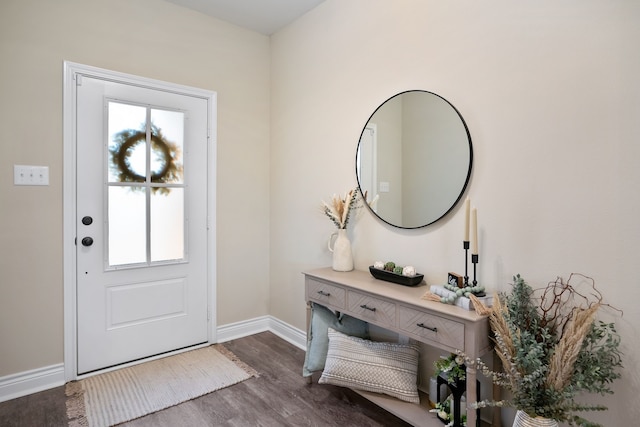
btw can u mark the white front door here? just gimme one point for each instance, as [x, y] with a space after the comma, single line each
[141, 222]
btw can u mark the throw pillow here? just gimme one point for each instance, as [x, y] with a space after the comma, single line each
[317, 337]
[379, 367]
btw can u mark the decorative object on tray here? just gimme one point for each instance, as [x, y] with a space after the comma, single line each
[339, 212]
[391, 272]
[549, 342]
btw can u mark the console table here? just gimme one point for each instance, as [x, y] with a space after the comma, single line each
[400, 309]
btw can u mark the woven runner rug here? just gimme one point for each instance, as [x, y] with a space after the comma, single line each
[128, 393]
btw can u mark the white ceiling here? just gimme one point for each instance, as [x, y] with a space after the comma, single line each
[263, 16]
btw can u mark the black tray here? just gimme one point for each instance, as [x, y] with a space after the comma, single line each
[388, 276]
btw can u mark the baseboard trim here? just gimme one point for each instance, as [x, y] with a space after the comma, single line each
[245, 328]
[24, 383]
[288, 333]
[33, 381]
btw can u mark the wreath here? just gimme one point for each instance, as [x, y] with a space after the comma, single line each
[125, 142]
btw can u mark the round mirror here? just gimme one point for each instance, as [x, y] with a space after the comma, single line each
[414, 159]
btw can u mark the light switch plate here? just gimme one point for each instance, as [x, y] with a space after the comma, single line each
[30, 175]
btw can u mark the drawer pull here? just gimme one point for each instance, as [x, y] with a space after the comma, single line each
[324, 294]
[422, 325]
[366, 307]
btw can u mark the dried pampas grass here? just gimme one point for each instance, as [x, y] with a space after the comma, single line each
[566, 352]
[339, 210]
[502, 334]
[479, 306]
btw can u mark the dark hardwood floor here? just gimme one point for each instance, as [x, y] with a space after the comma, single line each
[279, 397]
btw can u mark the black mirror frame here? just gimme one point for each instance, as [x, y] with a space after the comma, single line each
[467, 179]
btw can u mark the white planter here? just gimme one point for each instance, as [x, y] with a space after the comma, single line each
[341, 248]
[524, 420]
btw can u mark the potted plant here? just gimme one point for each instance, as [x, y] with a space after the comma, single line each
[552, 348]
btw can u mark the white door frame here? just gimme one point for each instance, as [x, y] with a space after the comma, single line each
[69, 196]
[372, 128]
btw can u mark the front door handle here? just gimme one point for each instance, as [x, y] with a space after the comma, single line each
[87, 241]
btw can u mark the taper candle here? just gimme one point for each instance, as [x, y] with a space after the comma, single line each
[466, 219]
[474, 231]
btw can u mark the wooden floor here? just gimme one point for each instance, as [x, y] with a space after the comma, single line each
[279, 397]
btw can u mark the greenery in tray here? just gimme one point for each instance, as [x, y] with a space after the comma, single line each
[552, 348]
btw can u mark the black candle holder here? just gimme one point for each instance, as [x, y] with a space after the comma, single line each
[474, 260]
[465, 245]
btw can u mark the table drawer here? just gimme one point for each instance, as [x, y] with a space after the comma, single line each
[427, 326]
[326, 294]
[375, 310]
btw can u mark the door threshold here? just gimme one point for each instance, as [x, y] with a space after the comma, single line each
[142, 360]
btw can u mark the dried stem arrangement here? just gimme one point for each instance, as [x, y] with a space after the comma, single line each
[340, 208]
[552, 348]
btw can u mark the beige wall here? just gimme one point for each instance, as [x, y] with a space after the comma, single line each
[549, 91]
[551, 95]
[149, 38]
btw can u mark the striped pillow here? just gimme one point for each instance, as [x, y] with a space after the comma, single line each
[379, 367]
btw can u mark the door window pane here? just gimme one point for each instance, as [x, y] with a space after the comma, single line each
[145, 179]
[127, 226]
[167, 225]
[127, 142]
[167, 146]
